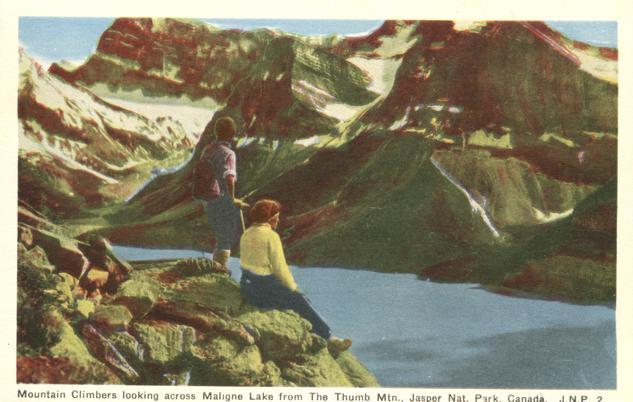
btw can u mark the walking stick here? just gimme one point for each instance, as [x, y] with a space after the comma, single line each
[242, 220]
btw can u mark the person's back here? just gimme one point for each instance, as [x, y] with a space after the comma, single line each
[261, 253]
[216, 157]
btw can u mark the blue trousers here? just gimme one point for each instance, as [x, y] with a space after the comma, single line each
[266, 292]
[224, 218]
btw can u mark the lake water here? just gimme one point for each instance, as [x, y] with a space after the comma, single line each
[415, 333]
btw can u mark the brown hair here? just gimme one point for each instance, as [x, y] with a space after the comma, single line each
[263, 210]
[225, 128]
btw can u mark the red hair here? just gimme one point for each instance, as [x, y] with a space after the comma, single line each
[263, 210]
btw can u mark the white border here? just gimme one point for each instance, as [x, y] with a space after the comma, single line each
[618, 10]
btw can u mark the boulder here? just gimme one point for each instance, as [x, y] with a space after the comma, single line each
[203, 319]
[28, 216]
[215, 292]
[73, 284]
[111, 317]
[69, 279]
[35, 257]
[221, 361]
[80, 361]
[94, 279]
[280, 334]
[61, 251]
[315, 370]
[127, 345]
[138, 295]
[163, 342]
[99, 252]
[85, 308]
[69, 344]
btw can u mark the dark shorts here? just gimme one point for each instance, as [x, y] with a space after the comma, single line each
[224, 218]
[266, 292]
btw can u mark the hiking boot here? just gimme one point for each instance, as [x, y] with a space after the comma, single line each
[219, 268]
[337, 345]
[221, 260]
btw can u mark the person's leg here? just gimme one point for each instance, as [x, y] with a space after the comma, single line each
[221, 215]
[260, 291]
[268, 292]
[301, 304]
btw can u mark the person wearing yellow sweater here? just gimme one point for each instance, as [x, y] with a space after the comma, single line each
[266, 279]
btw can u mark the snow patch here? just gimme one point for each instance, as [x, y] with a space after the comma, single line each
[545, 217]
[306, 142]
[45, 149]
[474, 204]
[398, 44]
[340, 111]
[472, 26]
[323, 101]
[438, 107]
[192, 118]
[398, 124]
[599, 67]
[306, 88]
[382, 72]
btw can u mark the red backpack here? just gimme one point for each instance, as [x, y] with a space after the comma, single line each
[204, 177]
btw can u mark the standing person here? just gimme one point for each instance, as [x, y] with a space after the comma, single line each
[266, 280]
[215, 176]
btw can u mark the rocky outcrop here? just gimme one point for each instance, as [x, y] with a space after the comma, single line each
[172, 322]
[87, 262]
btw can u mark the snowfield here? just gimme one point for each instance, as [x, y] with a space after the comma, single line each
[382, 72]
[192, 118]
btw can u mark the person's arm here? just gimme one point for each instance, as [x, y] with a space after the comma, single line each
[230, 185]
[229, 176]
[279, 266]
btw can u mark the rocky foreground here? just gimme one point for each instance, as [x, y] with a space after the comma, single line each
[85, 316]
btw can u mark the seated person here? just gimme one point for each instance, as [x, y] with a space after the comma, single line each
[266, 280]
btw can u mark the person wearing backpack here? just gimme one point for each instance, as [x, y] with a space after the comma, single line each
[215, 176]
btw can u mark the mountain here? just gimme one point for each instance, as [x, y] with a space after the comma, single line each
[466, 152]
[76, 150]
[493, 75]
[274, 85]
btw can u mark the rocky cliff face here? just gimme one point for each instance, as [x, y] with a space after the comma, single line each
[77, 150]
[522, 76]
[273, 84]
[85, 316]
[168, 57]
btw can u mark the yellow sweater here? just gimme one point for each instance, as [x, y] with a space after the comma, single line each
[261, 253]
